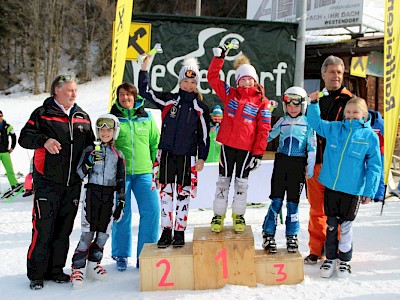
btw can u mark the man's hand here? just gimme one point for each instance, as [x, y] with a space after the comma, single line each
[365, 200]
[11, 150]
[199, 165]
[52, 146]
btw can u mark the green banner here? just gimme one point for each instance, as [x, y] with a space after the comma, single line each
[270, 46]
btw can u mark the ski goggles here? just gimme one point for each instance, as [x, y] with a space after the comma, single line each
[66, 77]
[109, 123]
[293, 98]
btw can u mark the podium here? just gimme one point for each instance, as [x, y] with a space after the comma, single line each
[212, 260]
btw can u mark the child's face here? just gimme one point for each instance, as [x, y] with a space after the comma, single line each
[246, 82]
[352, 111]
[216, 118]
[188, 85]
[293, 109]
[106, 134]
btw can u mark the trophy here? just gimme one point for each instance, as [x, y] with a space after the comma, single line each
[156, 49]
[234, 44]
[221, 51]
[98, 160]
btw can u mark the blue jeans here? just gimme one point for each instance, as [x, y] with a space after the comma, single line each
[149, 211]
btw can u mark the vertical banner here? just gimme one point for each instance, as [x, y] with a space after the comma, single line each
[391, 81]
[123, 16]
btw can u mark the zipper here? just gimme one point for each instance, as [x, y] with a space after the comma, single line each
[341, 157]
[71, 134]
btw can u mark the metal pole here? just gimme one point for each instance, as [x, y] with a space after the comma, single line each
[198, 8]
[301, 14]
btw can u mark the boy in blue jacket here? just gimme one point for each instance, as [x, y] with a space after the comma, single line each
[350, 173]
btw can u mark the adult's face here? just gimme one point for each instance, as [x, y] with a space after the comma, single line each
[126, 99]
[333, 77]
[66, 94]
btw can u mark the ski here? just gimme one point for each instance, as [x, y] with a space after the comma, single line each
[10, 192]
[13, 196]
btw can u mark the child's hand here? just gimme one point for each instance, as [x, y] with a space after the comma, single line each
[199, 165]
[313, 97]
[146, 62]
[365, 200]
[309, 173]
[119, 211]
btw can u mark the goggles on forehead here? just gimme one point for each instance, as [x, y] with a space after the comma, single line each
[109, 123]
[66, 77]
[293, 98]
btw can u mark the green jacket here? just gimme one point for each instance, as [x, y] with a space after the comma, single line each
[138, 137]
[215, 147]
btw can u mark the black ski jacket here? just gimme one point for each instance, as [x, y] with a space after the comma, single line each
[73, 132]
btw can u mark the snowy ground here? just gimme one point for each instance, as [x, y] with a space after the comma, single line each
[375, 265]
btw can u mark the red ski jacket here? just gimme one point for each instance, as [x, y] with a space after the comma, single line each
[247, 118]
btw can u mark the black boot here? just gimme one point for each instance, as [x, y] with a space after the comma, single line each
[179, 239]
[292, 243]
[165, 239]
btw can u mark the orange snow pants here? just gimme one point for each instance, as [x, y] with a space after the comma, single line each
[317, 221]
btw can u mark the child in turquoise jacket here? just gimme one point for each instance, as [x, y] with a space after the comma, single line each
[350, 173]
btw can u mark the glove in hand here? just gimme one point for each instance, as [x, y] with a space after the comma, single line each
[255, 162]
[119, 211]
[220, 51]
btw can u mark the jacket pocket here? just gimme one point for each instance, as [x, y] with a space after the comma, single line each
[358, 149]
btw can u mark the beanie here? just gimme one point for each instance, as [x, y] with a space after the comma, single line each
[1, 112]
[245, 70]
[217, 111]
[189, 70]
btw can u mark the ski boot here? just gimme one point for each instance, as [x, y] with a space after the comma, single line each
[239, 224]
[122, 263]
[77, 278]
[95, 271]
[269, 243]
[165, 239]
[292, 243]
[179, 239]
[217, 223]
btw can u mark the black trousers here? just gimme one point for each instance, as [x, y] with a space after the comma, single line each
[54, 211]
[288, 176]
[341, 209]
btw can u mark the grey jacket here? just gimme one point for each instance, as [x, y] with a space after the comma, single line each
[111, 172]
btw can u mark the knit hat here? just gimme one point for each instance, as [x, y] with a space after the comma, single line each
[244, 69]
[189, 70]
[1, 112]
[217, 111]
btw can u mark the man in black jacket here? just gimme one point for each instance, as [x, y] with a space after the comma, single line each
[58, 131]
[7, 131]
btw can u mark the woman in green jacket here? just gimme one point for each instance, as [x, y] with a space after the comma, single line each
[138, 140]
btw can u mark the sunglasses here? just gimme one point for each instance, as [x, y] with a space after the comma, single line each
[66, 77]
[292, 98]
[109, 123]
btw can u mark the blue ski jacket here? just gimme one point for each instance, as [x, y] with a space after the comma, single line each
[352, 162]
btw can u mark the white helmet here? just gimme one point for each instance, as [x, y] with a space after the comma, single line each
[109, 121]
[301, 96]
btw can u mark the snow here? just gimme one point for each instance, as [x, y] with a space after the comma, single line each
[375, 264]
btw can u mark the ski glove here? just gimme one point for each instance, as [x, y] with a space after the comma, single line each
[255, 162]
[94, 157]
[119, 211]
[220, 51]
